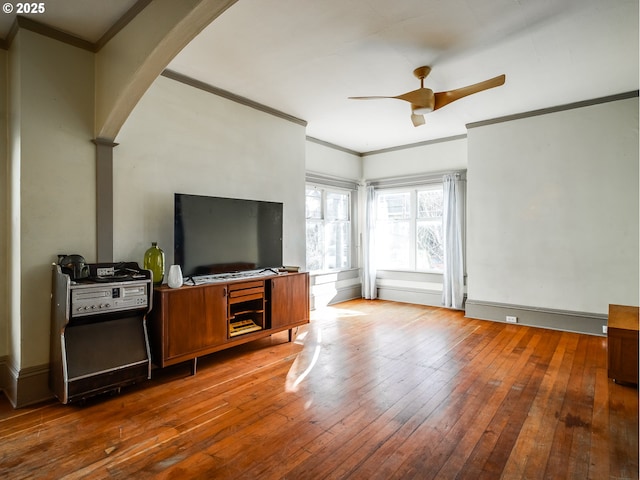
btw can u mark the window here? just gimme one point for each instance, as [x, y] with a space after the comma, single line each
[409, 229]
[328, 213]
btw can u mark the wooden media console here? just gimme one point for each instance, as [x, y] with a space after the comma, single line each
[192, 321]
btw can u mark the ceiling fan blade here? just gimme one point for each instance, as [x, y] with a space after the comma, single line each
[422, 97]
[445, 98]
[368, 98]
[417, 120]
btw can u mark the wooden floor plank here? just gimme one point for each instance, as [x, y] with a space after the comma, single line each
[534, 441]
[370, 389]
[483, 375]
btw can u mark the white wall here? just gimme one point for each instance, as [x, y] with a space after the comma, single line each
[333, 162]
[182, 139]
[437, 156]
[553, 209]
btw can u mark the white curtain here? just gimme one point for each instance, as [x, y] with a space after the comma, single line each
[453, 218]
[369, 290]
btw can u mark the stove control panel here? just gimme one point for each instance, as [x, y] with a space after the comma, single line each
[109, 297]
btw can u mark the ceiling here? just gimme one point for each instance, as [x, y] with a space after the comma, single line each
[85, 19]
[305, 57]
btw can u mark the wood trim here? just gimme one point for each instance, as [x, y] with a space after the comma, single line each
[414, 180]
[333, 146]
[32, 25]
[341, 294]
[104, 199]
[192, 82]
[47, 31]
[558, 108]
[4, 374]
[122, 22]
[334, 287]
[414, 145]
[430, 298]
[330, 181]
[25, 387]
[554, 319]
[13, 31]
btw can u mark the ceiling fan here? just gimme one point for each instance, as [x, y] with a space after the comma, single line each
[424, 100]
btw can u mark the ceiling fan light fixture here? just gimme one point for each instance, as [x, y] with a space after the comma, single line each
[420, 110]
[424, 100]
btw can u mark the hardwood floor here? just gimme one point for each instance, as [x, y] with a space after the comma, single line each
[369, 390]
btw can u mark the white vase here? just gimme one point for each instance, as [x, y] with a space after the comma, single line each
[174, 280]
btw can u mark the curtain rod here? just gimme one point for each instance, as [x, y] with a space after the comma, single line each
[410, 180]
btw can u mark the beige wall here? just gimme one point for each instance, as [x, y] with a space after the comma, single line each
[4, 311]
[182, 139]
[54, 160]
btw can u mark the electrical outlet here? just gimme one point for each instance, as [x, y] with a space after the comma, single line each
[512, 319]
[604, 329]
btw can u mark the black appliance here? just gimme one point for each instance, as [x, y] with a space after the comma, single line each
[220, 235]
[74, 265]
[99, 340]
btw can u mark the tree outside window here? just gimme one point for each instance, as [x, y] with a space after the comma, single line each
[409, 229]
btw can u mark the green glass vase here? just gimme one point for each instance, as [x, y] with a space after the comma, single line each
[154, 261]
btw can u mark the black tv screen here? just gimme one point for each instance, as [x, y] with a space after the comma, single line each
[220, 235]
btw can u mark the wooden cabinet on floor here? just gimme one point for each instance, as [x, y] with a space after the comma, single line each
[192, 321]
[289, 300]
[622, 340]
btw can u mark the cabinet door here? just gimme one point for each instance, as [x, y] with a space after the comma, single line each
[289, 300]
[196, 319]
[623, 355]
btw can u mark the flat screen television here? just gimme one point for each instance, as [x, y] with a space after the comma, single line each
[221, 235]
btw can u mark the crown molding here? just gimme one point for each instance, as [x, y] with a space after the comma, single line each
[414, 145]
[122, 22]
[333, 146]
[192, 82]
[27, 23]
[558, 108]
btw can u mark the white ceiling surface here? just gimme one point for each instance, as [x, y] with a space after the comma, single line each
[305, 57]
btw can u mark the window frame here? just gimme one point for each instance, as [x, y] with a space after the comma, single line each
[413, 221]
[324, 221]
